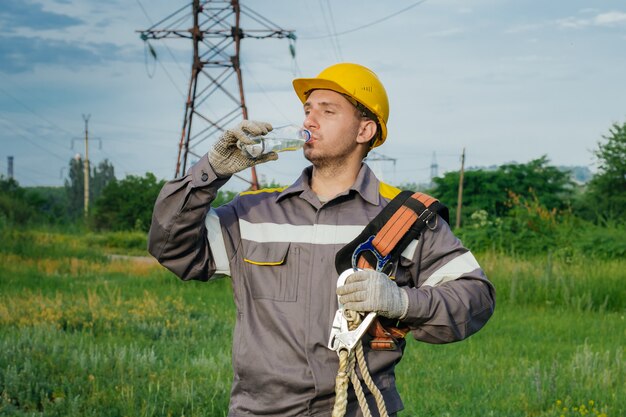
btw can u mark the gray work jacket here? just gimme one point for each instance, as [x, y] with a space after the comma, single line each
[279, 247]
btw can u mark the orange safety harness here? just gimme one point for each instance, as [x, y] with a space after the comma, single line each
[381, 243]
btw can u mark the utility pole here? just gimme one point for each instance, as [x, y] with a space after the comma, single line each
[434, 168]
[216, 35]
[460, 196]
[10, 167]
[86, 165]
[86, 170]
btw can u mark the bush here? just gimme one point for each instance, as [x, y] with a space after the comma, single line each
[127, 204]
[532, 229]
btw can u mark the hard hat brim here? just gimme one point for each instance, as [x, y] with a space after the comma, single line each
[303, 86]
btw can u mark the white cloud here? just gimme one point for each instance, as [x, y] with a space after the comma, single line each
[614, 18]
[610, 18]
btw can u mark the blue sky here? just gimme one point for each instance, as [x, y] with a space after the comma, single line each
[507, 80]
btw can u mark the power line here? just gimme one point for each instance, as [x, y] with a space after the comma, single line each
[113, 161]
[142, 128]
[32, 142]
[169, 76]
[143, 9]
[33, 111]
[375, 22]
[33, 181]
[36, 172]
[267, 96]
[330, 27]
[216, 35]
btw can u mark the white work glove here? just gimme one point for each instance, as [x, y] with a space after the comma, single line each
[227, 155]
[368, 290]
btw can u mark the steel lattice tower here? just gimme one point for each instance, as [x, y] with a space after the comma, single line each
[216, 35]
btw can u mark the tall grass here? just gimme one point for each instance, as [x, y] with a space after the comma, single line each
[580, 284]
[521, 364]
[48, 243]
[119, 339]
[82, 334]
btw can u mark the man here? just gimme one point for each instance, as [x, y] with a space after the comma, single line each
[279, 247]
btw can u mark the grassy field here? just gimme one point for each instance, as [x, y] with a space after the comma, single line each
[82, 334]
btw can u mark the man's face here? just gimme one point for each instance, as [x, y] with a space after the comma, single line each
[334, 125]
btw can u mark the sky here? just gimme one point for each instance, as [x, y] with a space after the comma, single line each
[506, 80]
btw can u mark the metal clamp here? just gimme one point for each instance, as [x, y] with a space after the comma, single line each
[427, 216]
[341, 337]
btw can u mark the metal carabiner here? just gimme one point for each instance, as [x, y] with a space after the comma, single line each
[341, 337]
[368, 246]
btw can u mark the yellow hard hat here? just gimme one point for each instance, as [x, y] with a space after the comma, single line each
[355, 81]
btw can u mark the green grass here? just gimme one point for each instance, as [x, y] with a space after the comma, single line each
[520, 364]
[84, 335]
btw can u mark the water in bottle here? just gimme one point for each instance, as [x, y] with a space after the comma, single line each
[283, 138]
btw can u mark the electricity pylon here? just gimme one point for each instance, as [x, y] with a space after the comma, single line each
[375, 156]
[216, 35]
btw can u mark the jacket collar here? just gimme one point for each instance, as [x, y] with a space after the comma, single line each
[366, 184]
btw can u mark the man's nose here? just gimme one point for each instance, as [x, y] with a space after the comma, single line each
[310, 121]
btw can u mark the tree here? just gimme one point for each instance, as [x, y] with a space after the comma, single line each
[75, 188]
[32, 205]
[222, 197]
[127, 204]
[50, 203]
[492, 190]
[103, 174]
[99, 177]
[606, 192]
[551, 186]
[13, 207]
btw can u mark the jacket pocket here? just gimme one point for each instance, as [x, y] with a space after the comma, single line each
[272, 270]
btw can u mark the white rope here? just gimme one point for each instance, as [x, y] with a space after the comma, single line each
[347, 373]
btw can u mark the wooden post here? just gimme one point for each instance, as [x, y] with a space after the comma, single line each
[86, 171]
[460, 195]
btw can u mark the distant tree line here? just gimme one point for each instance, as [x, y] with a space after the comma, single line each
[529, 205]
[602, 199]
[536, 208]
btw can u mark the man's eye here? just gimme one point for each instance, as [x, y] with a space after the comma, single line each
[329, 112]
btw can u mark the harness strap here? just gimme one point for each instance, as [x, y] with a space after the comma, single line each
[400, 222]
[416, 207]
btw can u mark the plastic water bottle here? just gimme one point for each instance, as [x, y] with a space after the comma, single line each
[282, 138]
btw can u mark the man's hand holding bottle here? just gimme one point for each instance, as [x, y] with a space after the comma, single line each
[226, 156]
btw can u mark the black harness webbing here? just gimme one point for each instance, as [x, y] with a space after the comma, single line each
[343, 259]
[381, 243]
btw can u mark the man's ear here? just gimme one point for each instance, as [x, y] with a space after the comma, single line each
[367, 131]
